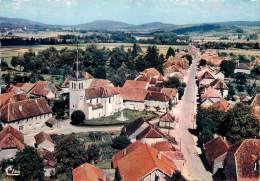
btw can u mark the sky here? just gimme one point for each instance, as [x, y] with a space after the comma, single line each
[69, 12]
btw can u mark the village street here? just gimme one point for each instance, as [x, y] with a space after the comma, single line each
[185, 112]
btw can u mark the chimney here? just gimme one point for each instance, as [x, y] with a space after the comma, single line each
[159, 156]
[20, 108]
[124, 152]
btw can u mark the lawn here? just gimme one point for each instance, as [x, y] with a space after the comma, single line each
[119, 118]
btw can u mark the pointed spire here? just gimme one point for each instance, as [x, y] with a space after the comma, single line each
[77, 63]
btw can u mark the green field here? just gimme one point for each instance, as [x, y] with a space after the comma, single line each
[8, 52]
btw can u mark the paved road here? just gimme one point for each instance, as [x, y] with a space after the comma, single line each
[186, 140]
[67, 128]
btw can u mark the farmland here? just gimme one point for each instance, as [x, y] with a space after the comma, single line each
[8, 52]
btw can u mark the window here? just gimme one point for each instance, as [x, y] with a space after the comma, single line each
[97, 100]
[20, 127]
[109, 100]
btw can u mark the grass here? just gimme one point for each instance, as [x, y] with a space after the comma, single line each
[129, 115]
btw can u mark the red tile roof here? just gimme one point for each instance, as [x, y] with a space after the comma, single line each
[210, 92]
[41, 88]
[4, 98]
[88, 172]
[11, 138]
[164, 146]
[219, 84]
[100, 83]
[24, 109]
[151, 132]
[101, 92]
[130, 169]
[27, 87]
[167, 117]
[170, 92]
[151, 72]
[136, 95]
[246, 156]
[157, 96]
[215, 148]
[133, 84]
[222, 105]
[41, 137]
[48, 157]
[13, 131]
[9, 141]
[256, 101]
[131, 127]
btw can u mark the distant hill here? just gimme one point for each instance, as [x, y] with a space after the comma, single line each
[154, 26]
[107, 25]
[103, 25]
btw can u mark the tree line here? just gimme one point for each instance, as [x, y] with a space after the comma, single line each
[116, 65]
[99, 37]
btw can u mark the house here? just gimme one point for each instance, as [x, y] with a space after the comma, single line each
[215, 152]
[158, 101]
[222, 105]
[243, 161]
[49, 161]
[221, 86]
[242, 68]
[209, 97]
[212, 58]
[167, 120]
[44, 89]
[11, 141]
[172, 153]
[255, 106]
[151, 134]
[132, 129]
[133, 98]
[44, 141]
[151, 75]
[26, 114]
[88, 172]
[128, 168]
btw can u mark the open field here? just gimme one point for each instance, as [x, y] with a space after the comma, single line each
[10, 51]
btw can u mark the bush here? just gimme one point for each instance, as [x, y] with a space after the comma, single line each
[77, 117]
[120, 142]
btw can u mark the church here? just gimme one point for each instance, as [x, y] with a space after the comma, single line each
[95, 97]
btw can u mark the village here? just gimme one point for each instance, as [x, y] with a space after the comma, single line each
[165, 120]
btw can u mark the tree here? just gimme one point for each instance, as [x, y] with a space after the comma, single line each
[59, 108]
[177, 176]
[93, 153]
[239, 124]
[180, 92]
[152, 58]
[231, 92]
[189, 58]
[69, 153]
[136, 50]
[173, 82]
[120, 142]
[203, 62]
[170, 52]
[240, 78]
[30, 164]
[77, 117]
[208, 123]
[227, 67]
